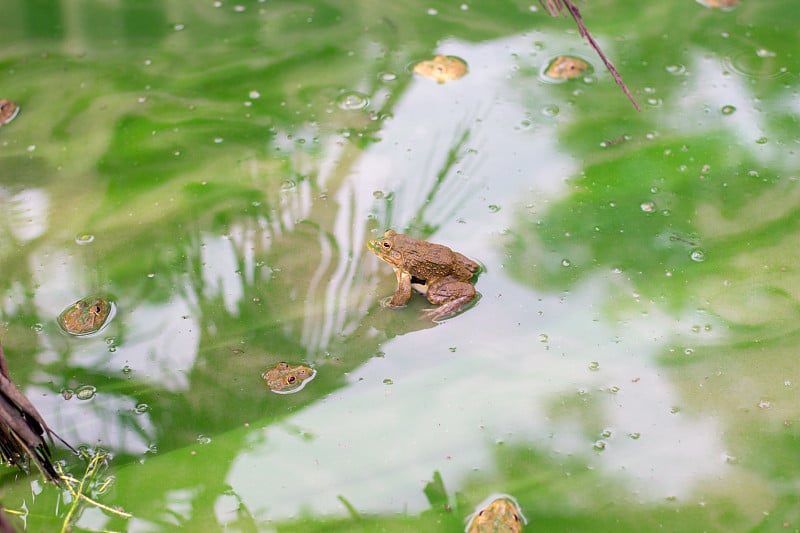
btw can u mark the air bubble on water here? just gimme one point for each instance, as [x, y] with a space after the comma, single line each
[566, 263]
[387, 76]
[614, 389]
[67, 394]
[676, 70]
[696, 328]
[85, 392]
[218, 140]
[599, 445]
[688, 351]
[698, 256]
[763, 52]
[728, 110]
[37, 327]
[127, 369]
[550, 110]
[388, 381]
[525, 124]
[288, 184]
[761, 140]
[239, 9]
[494, 208]
[432, 12]
[179, 27]
[594, 365]
[675, 410]
[378, 195]
[151, 275]
[648, 207]
[764, 404]
[464, 7]
[254, 94]
[607, 433]
[543, 338]
[635, 435]
[202, 439]
[352, 100]
[141, 408]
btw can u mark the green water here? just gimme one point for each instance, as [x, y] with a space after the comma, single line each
[216, 169]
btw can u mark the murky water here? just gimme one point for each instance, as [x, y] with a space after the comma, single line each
[216, 170]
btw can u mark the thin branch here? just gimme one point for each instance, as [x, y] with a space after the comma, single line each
[555, 7]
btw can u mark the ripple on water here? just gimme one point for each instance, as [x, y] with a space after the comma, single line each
[758, 63]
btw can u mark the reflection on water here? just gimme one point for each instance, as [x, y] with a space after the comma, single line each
[230, 196]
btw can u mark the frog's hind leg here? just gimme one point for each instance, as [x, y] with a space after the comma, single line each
[453, 295]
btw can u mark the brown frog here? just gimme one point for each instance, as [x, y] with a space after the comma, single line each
[566, 67]
[8, 110]
[443, 275]
[441, 68]
[85, 317]
[285, 379]
[500, 515]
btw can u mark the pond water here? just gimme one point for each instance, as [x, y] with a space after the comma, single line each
[215, 170]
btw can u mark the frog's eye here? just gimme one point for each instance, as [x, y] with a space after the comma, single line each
[386, 245]
[97, 309]
[291, 379]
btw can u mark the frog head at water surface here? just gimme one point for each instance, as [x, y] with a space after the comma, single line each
[442, 275]
[497, 514]
[441, 68]
[85, 316]
[284, 378]
[8, 110]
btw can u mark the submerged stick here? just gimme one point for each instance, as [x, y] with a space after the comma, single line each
[555, 7]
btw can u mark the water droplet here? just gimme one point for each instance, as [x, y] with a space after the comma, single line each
[614, 389]
[550, 110]
[84, 238]
[127, 369]
[728, 110]
[378, 195]
[239, 9]
[635, 435]
[151, 275]
[218, 140]
[565, 263]
[432, 12]
[600, 445]
[453, 349]
[494, 208]
[606, 433]
[85, 392]
[288, 184]
[543, 337]
[202, 439]
[388, 381]
[179, 27]
[675, 410]
[764, 404]
[594, 365]
[648, 207]
[676, 70]
[698, 256]
[352, 100]
[254, 94]
[37, 327]
[141, 408]
[688, 351]
[761, 140]
[763, 52]
[525, 124]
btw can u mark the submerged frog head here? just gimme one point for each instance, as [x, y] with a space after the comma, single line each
[500, 515]
[8, 110]
[284, 378]
[566, 68]
[85, 316]
[441, 68]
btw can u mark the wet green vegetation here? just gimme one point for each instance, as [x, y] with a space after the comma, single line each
[216, 170]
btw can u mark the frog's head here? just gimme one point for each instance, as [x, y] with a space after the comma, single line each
[385, 248]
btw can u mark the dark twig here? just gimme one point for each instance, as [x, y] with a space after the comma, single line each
[22, 429]
[555, 7]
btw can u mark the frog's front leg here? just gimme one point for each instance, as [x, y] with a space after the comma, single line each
[453, 295]
[403, 292]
